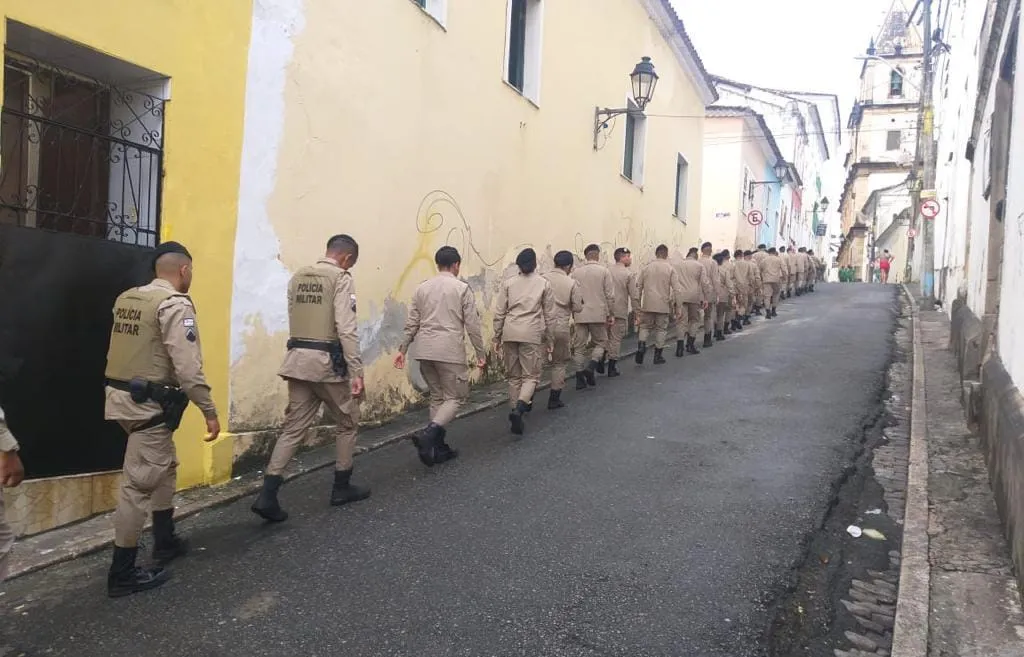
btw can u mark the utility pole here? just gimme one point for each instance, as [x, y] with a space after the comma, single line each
[926, 159]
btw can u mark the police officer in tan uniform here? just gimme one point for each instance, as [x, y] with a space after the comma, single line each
[716, 284]
[696, 290]
[11, 474]
[755, 285]
[624, 282]
[658, 295]
[800, 261]
[593, 321]
[322, 366]
[568, 300]
[815, 273]
[726, 296]
[789, 273]
[154, 368]
[744, 281]
[524, 324]
[442, 312]
[772, 272]
[759, 295]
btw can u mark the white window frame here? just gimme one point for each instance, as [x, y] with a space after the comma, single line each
[747, 193]
[682, 189]
[436, 9]
[639, 144]
[532, 49]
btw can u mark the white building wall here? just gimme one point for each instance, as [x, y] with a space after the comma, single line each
[956, 92]
[1010, 327]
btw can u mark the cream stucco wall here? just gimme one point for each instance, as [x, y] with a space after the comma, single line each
[722, 195]
[407, 137]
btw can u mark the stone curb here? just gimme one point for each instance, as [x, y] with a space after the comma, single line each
[214, 497]
[910, 634]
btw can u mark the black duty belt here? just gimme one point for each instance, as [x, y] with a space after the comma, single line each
[170, 399]
[319, 345]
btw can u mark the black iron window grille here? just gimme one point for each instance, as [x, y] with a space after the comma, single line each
[80, 155]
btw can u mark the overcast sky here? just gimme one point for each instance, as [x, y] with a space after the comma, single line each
[803, 45]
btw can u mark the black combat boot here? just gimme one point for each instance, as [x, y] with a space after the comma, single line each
[613, 369]
[737, 324]
[680, 348]
[266, 505]
[167, 546]
[444, 451]
[707, 340]
[426, 440]
[746, 319]
[727, 329]
[589, 373]
[581, 381]
[124, 578]
[600, 366]
[659, 358]
[641, 351]
[344, 492]
[555, 399]
[691, 345]
[516, 418]
[529, 404]
[719, 335]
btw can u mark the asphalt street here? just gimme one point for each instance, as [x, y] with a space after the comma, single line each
[659, 514]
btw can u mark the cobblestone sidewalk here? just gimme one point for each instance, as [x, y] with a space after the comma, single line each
[975, 607]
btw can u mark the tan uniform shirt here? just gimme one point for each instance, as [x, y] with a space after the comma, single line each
[728, 272]
[598, 293]
[800, 262]
[694, 280]
[658, 287]
[758, 256]
[771, 269]
[744, 277]
[786, 269]
[624, 284]
[179, 331]
[711, 267]
[525, 310]
[7, 441]
[568, 297]
[442, 312]
[755, 271]
[314, 365]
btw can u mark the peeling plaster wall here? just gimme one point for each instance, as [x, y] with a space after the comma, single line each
[408, 138]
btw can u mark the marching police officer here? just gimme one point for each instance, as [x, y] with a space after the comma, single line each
[568, 300]
[593, 321]
[696, 290]
[772, 273]
[759, 295]
[711, 267]
[11, 474]
[658, 295]
[322, 366]
[523, 324]
[154, 368]
[744, 282]
[623, 281]
[443, 310]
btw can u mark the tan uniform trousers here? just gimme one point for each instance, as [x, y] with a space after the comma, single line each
[710, 317]
[6, 540]
[801, 280]
[615, 336]
[585, 334]
[656, 323]
[771, 294]
[741, 303]
[304, 399]
[792, 283]
[690, 321]
[561, 356]
[723, 314]
[753, 299]
[148, 479]
[448, 384]
[523, 365]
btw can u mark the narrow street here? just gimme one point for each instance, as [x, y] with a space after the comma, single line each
[661, 514]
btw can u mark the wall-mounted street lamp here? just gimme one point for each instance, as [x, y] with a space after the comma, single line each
[643, 81]
[781, 169]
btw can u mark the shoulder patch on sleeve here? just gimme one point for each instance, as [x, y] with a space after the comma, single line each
[189, 322]
[352, 298]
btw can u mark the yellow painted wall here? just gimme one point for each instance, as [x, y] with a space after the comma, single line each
[724, 148]
[202, 46]
[404, 134]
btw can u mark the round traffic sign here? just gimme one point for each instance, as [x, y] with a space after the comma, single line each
[912, 232]
[930, 208]
[755, 217]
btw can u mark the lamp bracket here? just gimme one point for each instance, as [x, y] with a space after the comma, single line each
[602, 115]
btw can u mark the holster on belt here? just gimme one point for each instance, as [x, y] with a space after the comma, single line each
[172, 400]
[333, 349]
